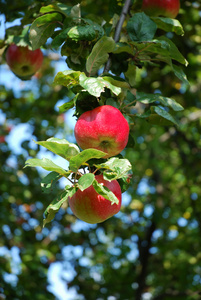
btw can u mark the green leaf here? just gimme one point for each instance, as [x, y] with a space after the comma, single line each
[156, 119]
[85, 32]
[169, 25]
[82, 32]
[124, 182]
[122, 47]
[141, 28]
[43, 28]
[117, 82]
[131, 74]
[86, 181]
[105, 192]
[55, 205]
[49, 181]
[174, 53]
[19, 40]
[150, 98]
[59, 39]
[115, 168]
[99, 54]
[180, 74]
[95, 86]
[83, 157]
[165, 49]
[164, 114]
[66, 106]
[59, 7]
[46, 164]
[67, 78]
[60, 147]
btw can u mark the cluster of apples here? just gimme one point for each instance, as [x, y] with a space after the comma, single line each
[106, 129]
[103, 128]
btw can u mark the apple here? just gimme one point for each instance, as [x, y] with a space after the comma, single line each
[2, 139]
[166, 8]
[93, 208]
[103, 128]
[23, 62]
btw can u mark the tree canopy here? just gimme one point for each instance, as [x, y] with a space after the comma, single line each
[107, 52]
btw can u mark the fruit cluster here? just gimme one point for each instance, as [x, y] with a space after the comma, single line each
[103, 128]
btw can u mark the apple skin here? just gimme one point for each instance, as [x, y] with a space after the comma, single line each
[23, 62]
[93, 208]
[103, 128]
[166, 8]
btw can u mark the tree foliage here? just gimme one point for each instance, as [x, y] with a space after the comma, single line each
[151, 72]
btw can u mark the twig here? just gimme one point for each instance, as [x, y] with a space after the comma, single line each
[118, 30]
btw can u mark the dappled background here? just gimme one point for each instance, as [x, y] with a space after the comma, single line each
[152, 248]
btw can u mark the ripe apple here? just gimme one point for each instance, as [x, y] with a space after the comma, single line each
[166, 8]
[22, 61]
[2, 139]
[93, 208]
[103, 128]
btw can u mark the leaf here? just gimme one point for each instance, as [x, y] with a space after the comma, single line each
[131, 74]
[55, 205]
[117, 82]
[59, 7]
[163, 47]
[115, 168]
[85, 32]
[49, 181]
[164, 114]
[122, 47]
[67, 78]
[150, 98]
[169, 25]
[141, 28]
[86, 181]
[83, 157]
[46, 164]
[180, 74]
[59, 39]
[66, 106]
[174, 53]
[156, 119]
[124, 182]
[43, 28]
[105, 192]
[99, 54]
[95, 86]
[60, 147]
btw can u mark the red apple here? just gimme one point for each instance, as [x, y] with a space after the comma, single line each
[103, 128]
[166, 8]
[22, 61]
[2, 139]
[93, 208]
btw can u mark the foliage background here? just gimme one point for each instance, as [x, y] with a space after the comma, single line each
[151, 249]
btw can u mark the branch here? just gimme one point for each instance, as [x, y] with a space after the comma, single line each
[175, 294]
[118, 30]
[144, 256]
